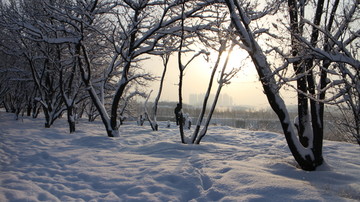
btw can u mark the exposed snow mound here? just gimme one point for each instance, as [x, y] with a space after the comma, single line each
[39, 164]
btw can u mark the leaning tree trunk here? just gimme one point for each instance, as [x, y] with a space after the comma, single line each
[207, 95]
[208, 119]
[224, 78]
[165, 58]
[304, 156]
[153, 124]
[85, 71]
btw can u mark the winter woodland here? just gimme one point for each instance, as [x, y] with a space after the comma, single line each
[86, 58]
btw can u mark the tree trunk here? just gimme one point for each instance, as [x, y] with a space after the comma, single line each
[299, 68]
[207, 123]
[125, 74]
[181, 74]
[71, 119]
[224, 78]
[36, 110]
[157, 99]
[153, 124]
[207, 95]
[302, 155]
[115, 104]
[85, 75]
[317, 109]
[181, 121]
[47, 117]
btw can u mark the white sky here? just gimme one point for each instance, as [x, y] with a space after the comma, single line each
[245, 89]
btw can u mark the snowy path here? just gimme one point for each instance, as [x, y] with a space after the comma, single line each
[40, 164]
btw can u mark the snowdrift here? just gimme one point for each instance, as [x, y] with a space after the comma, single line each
[39, 164]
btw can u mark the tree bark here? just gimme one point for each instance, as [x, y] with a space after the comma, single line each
[181, 74]
[302, 155]
[207, 95]
[165, 59]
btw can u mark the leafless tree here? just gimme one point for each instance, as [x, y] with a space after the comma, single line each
[307, 149]
[164, 50]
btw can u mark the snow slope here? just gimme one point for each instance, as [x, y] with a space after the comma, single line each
[39, 164]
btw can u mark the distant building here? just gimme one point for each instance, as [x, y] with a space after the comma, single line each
[197, 99]
[193, 99]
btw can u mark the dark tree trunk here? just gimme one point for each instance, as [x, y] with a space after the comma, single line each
[47, 118]
[302, 156]
[125, 73]
[203, 109]
[204, 130]
[181, 121]
[85, 74]
[165, 58]
[181, 74]
[36, 110]
[317, 109]
[116, 100]
[299, 68]
[71, 119]
[29, 108]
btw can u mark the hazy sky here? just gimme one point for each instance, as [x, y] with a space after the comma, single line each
[245, 89]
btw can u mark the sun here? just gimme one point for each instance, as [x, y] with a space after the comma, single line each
[239, 58]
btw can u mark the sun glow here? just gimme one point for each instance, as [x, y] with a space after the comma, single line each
[240, 59]
[244, 88]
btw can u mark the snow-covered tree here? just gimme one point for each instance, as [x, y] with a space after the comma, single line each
[44, 43]
[309, 60]
[348, 116]
[137, 29]
[242, 22]
[16, 88]
[164, 50]
[70, 87]
[322, 77]
[218, 41]
[17, 91]
[128, 107]
[224, 79]
[188, 36]
[333, 49]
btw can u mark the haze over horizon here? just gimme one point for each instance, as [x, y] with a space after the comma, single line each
[245, 88]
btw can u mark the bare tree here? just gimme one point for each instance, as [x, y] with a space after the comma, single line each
[165, 50]
[340, 36]
[136, 37]
[70, 86]
[129, 103]
[242, 20]
[307, 149]
[182, 68]
[132, 28]
[221, 40]
[47, 44]
[224, 79]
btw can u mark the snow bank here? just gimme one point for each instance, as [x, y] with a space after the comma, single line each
[40, 164]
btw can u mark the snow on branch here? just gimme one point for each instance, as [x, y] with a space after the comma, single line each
[341, 45]
[339, 57]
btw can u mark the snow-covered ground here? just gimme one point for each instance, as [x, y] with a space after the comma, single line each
[39, 164]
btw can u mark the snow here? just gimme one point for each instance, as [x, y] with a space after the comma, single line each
[39, 164]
